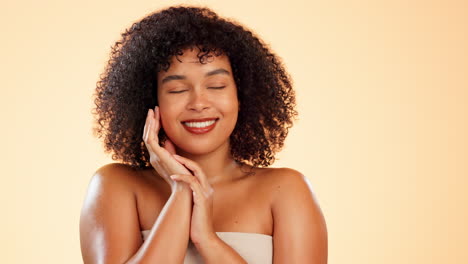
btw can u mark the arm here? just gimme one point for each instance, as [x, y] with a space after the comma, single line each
[109, 225]
[211, 248]
[300, 232]
[169, 236]
[217, 251]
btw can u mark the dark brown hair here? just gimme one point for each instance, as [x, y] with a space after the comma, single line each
[127, 88]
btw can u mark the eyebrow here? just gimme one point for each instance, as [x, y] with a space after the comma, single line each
[183, 77]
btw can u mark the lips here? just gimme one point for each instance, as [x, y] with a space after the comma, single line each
[199, 126]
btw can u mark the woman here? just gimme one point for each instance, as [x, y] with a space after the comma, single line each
[194, 184]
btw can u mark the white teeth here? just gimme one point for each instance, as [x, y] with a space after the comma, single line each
[199, 124]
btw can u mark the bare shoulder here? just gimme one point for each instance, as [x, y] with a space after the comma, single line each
[289, 180]
[284, 173]
[280, 180]
[109, 226]
[290, 185]
[300, 231]
[110, 179]
[113, 175]
[272, 183]
[118, 177]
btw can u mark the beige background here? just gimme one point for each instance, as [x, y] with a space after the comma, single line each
[382, 135]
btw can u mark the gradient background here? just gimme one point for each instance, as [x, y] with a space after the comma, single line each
[382, 131]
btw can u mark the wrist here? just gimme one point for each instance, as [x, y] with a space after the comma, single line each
[180, 187]
[211, 241]
[210, 248]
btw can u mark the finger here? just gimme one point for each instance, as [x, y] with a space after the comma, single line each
[197, 171]
[152, 128]
[152, 142]
[157, 125]
[191, 165]
[146, 130]
[192, 182]
[189, 179]
[157, 119]
[152, 139]
[153, 131]
[156, 111]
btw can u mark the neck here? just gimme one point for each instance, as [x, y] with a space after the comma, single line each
[218, 165]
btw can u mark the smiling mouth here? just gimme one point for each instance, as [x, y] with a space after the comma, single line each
[199, 127]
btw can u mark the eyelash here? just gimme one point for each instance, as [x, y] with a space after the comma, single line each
[177, 91]
[219, 87]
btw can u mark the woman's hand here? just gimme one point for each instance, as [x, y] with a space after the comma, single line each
[201, 226]
[161, 157]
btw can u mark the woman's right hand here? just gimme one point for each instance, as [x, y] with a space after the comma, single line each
[161, 157]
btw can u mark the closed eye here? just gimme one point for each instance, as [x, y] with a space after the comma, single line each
[177, 91]
[220, 87]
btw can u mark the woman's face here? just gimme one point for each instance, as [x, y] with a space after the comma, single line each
[198, 102]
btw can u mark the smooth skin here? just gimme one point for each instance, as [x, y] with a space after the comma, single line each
[217, 195]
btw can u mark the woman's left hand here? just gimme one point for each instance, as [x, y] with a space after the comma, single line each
[201, 226]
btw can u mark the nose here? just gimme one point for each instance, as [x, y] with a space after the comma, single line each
[198, 101]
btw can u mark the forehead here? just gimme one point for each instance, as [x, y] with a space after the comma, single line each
[189, 60]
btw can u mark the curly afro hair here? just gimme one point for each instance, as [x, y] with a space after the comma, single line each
[128, 86]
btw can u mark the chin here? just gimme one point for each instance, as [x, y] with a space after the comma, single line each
[198, 148]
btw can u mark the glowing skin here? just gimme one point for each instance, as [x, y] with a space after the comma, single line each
[191, 96]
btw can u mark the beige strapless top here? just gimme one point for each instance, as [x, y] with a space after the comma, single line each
[254, 248]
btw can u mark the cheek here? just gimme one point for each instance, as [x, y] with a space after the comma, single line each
[165, 116]
[230, 109]
[168, 108]
[229, 101]
[231, 106]
[166, 122]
